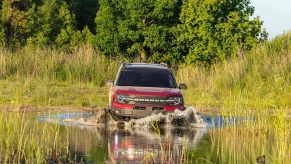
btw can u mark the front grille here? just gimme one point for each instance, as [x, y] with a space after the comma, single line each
[148, 108]
[149, 100]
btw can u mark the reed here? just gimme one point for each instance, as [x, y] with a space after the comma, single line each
[26, 141]
[265, 140]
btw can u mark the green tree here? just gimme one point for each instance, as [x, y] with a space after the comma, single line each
[52, 23]
[107, 36]
[67, 26]
[137, 27]
[211, 30]
[15, 22]
[84, 37]
[85, 12]
[41, 23]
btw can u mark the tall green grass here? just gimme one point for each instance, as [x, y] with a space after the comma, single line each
[82, 65]
[260, 78]
[47, 77]
[24, 140]
[255, 84]
[267, 139]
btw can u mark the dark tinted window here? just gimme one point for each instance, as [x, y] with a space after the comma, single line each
[140, 78]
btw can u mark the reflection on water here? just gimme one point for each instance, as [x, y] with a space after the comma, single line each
[97, 145]
[127, 146]
[91, 144]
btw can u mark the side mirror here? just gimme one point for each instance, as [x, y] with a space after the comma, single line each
[109, 83]
[182, 86]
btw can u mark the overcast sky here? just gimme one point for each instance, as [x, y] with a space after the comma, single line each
[276, 15]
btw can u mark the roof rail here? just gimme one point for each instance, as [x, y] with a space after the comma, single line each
[164, 64]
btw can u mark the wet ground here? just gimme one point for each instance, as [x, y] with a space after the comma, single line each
[95, 141]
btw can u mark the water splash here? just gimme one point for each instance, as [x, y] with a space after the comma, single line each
[187, 118]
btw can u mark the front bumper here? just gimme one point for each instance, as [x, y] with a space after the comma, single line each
[122, 110]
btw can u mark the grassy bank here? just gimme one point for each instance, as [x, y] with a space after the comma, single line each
[259, 79]
[45, 93]
[47, 77]
[82, 65]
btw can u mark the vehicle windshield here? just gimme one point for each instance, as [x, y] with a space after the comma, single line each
[141, 78]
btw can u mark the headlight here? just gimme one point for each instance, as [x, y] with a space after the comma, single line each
[122, 99]
[119, 98]
[176, 100]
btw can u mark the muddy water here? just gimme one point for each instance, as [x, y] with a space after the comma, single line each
[92, 143]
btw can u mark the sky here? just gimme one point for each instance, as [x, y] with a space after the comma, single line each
[276, 15]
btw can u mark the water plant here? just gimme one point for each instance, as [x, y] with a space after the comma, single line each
[27, 141]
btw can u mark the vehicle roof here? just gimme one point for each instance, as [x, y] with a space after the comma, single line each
[144, 66]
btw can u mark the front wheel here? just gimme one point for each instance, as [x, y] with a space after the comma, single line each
[115, 116]
[119, 118]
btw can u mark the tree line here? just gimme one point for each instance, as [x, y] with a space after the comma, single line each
[172, 31]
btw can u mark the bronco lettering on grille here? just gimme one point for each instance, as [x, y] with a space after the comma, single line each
[150, 100]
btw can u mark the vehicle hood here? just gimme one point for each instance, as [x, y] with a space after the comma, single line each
[147, 91]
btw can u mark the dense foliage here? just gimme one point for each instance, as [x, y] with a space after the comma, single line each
[173, 31]
[211, 30]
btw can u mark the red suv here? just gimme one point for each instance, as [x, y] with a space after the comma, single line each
[142, 89]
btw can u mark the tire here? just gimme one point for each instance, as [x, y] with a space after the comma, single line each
[116, 117]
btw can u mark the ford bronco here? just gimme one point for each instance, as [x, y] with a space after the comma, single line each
[141, 89]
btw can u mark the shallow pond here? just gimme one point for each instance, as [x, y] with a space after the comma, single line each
[51, 138]
[93, 144]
